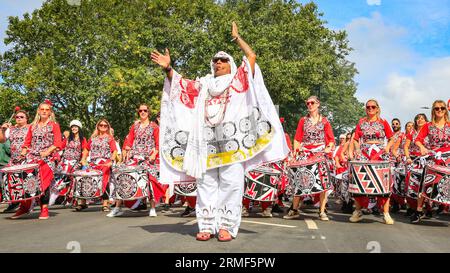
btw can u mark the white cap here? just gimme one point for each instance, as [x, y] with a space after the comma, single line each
[76, 123]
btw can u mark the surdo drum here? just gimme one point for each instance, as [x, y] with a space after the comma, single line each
[20, 182]
[370, 178]
[262, 184]
[130, 183]
[88, 184]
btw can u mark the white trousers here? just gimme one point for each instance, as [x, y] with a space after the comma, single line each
[219, 199]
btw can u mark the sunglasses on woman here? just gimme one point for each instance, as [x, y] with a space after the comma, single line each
[369, 107]
[19, 117]
[310, 103]
[143, 111]
[103, 125]
[223, 60]
[439, 108]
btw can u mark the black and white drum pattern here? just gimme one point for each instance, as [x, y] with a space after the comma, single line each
[186, 189]
[88, 184]
[436, 184]
[20, 182]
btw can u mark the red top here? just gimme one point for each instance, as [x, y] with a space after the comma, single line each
[74, 150]
[308, 133]
[413, 148]
[101, 147]
[139, 136]
[373, 130]
[437, 138]
[17, 139]
[39, 139]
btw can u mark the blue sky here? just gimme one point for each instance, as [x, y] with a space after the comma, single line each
[401, 48]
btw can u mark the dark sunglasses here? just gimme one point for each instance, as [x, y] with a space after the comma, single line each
[103, 125]
[223, 60]
[142, 110]
[371, 107]
[18, 117]
[310, 103]
[395, 124]
[439, 108]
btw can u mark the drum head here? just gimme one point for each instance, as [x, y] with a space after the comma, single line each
[87, 173]
[19, 168]
[266, 170]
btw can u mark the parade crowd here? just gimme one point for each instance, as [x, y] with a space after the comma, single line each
[219, 146]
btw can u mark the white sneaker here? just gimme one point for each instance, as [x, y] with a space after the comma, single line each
[356, 216]
[292, 215]
[387, 219]
[267, 212]
[152, 212]
[115, 212]
[323, 216]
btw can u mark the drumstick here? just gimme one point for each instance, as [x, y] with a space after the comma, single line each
[17, 108]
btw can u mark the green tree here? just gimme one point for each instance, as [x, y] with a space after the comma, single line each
[92, 60]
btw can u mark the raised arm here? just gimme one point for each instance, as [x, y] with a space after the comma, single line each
[163, 61]
[251, 56]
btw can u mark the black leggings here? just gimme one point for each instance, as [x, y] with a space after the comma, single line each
[45, 198]
[105, 195]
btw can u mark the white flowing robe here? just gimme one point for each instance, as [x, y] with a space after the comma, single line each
[249, 131]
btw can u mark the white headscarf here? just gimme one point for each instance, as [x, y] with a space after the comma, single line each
[217, 85]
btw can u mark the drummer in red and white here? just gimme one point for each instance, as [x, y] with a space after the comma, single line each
[141, 149]
[314, 135]
[398, 151]
[412, 153]
[102, 152]
[16, 135]
[437, 133]
[73, 149]
[369, 144]
[41, 146]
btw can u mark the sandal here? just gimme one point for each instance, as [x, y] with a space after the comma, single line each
[81, 207]
[224, 236]
[204, 236]
[105, 209]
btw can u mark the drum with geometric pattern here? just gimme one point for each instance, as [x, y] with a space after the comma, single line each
[399, 187]
[130, 183]
[185, 188]
[436, 184]
[310, 176]
[413, 186]
[262, 184]
[20, 182]
[370, 178]
[88, 184]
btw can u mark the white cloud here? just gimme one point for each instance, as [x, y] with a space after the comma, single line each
[390, 71]
[373, 2]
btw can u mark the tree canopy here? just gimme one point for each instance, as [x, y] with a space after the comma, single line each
[92, 60]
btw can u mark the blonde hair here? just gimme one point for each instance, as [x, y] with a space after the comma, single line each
[378, 106]
[37, 118]
[96, 132]
[433, 115]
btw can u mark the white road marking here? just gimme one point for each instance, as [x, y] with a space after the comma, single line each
[311, 224]
[323, 237]
[268, 224]
[190, 223]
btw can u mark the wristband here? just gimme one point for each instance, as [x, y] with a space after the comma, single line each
[168, 69]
